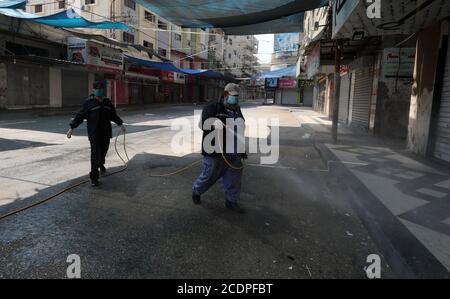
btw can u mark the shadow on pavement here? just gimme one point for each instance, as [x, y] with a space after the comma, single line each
[15, 144]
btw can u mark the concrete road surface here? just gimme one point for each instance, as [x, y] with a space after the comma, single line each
[300, 220]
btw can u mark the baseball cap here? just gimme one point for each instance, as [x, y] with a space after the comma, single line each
[232, 89]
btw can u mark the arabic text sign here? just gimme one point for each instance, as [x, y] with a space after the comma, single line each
[288, 84]
[398, 63]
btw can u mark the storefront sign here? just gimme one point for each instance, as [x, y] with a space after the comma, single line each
[76, 50]
[271, 83]
[288, 84]
[398, 63]
[167, 76]
[344, 70]
[97, 56]
[104, 56]
[179, 78]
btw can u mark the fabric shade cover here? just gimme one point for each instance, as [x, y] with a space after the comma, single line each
[65, 19]
[13, 4]
[288, 24]
[242, 17]
[284, 72]
[170, 67]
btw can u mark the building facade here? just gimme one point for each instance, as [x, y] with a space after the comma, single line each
[393, 78]
[153, 38]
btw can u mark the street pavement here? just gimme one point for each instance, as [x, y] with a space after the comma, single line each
[306, 216]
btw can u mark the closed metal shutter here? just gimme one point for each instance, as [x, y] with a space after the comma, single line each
[361, 98]
[344, 99]
[135, 92]
[289, 97]
[321, 97]
[149, 93]
[442, 143]
[27, 85]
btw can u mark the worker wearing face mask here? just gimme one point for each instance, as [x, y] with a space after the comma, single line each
[99, 112]
[228, 163]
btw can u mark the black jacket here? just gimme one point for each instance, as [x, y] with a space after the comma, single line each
[99, 116]
[216, 109]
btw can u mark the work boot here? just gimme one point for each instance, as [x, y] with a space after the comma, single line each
[94, 180]
[234, 206]
[196, 199]
[102, 169]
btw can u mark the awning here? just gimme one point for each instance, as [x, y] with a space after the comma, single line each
[163, 66]
[65, 19]
[15, 4]
[241, 17]
[170, 67]
[285, 72]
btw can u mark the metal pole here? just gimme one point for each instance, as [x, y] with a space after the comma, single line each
[337, 89]
[115, 93]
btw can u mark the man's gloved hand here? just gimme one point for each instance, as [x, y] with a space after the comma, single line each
[69, 133]
[123, 129]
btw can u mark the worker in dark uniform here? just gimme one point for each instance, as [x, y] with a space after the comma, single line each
[99, 112]
[226, 164]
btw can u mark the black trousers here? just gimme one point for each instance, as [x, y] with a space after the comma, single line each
[99, 149]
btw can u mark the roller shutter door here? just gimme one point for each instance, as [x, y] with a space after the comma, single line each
[361, 98]
[442, 139]
[320, 107]
[344, 99]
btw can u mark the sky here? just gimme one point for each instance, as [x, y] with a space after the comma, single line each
[266, 42]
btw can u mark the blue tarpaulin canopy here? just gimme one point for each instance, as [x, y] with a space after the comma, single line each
[285, 72]
[14, 4]
[170, 67]
[243, 17]
[65, 19]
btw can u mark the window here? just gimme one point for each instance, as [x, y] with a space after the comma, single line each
[162, 52]
[229, 55]
[177, 36]
[162, 25]
[87, 2]
[150, 17]
[128, 38]
[231, 41]
[61, 4]
[38, 8]
[130, 4]
[148, 45]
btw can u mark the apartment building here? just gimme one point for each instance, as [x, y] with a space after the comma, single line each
[186, 48]
[239, 55]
